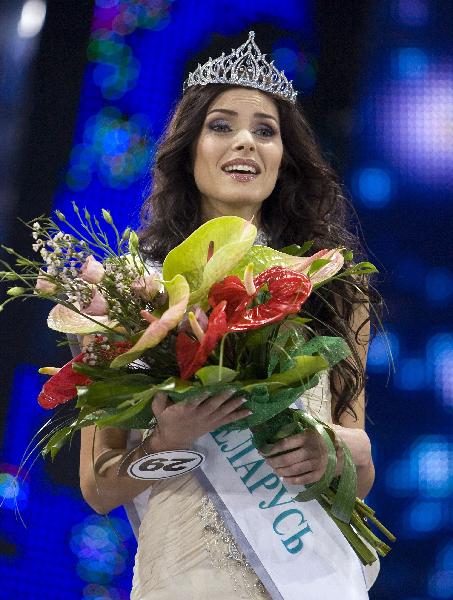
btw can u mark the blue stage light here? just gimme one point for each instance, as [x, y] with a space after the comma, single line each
[414, 13]
[440, 584]
[382, 347]
[373, 186]
[439, 362]
[409, 63]
[424, 517]
[411, 374]
[439, 285]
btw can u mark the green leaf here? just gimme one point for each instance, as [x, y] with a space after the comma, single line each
[57, 441]
[304, 367]
[316, 265]
[142, 401]
[296, 250]
[333, 349]
[113, 391]
[231, 236]
[215, 374]
[362, 268]
[345, 496]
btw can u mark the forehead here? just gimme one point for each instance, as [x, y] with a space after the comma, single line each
[243, 100]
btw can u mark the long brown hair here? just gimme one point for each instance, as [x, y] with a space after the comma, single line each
[307, 203]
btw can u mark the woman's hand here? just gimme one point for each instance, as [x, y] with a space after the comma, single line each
[304, 461]
[305, 457]
[179, 424]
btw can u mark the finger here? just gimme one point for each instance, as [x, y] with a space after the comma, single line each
[298, 469]
[199, 399]
[230, 406]
[289, 443]
[160, 403]
[216, 401]
[234, 416]
[289, 458]
[305, 479]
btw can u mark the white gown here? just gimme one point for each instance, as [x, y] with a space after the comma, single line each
[184, 550]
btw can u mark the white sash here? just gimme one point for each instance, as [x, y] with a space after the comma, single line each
[301, 552]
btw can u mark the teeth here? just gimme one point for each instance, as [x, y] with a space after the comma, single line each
[245, 168]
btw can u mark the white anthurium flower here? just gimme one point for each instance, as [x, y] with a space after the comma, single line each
[336, 262]
[66, 320]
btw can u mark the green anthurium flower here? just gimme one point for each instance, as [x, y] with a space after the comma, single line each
[209, 254]
[158, 328]
[319, 267]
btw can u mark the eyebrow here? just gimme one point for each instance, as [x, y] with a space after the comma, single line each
[235, 114]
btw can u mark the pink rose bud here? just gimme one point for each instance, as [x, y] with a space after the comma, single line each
[44, 286]
[98, 306]
[146, 287]
[92, 270]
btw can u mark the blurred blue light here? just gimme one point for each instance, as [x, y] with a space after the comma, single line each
[444, 560]
[439, 285]
[374, 186]
[409, 62]
[425, 516]
[427, 469]
[440, 584]
[413, 117]
[413, 12]
[439, 357]
[379, 352]
[285, 59]
[410, 374]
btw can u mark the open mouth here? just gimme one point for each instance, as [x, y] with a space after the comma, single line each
[241, 172]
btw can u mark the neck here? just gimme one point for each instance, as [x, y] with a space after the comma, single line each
[211, 210]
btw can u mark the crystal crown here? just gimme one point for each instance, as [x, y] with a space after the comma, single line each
[245, 66]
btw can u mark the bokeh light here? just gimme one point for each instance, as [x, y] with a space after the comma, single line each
[115, 146]
[414, 13]
[383, 349]
[98, 543]
[414, 118]
[14, 491]
[373, 185]
[439, 356]
[300, 66]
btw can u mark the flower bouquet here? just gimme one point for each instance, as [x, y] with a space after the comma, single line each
[222, 313]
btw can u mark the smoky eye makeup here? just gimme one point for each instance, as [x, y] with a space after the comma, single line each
[221, 125]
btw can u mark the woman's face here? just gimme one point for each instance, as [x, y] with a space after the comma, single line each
[237, 155]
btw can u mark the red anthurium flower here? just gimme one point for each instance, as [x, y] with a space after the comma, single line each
[62, 387]
[282, 290]
[192, 354]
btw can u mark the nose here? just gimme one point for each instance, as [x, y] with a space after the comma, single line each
[244, 140]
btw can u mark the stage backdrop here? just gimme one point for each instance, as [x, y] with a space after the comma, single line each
[389, 130]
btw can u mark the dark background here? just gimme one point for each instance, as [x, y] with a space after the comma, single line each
[376, 82]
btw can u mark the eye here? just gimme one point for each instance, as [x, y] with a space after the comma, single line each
[265, 131]
[220, 126]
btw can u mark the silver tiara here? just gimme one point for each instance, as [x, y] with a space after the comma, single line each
[245, 66]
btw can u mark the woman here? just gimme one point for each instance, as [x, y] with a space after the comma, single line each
[232, 149]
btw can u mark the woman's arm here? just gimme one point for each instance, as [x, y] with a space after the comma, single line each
[104, 486]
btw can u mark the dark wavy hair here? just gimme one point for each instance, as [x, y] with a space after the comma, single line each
[307, 203]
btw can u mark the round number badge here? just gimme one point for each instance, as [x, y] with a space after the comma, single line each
[162, 465]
